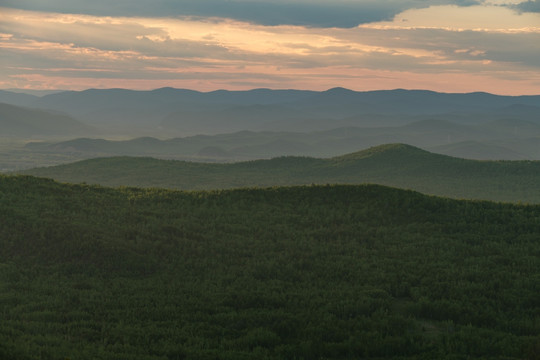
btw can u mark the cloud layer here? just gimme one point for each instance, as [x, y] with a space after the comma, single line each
[311, 13]
[529, 6]
[470, 47]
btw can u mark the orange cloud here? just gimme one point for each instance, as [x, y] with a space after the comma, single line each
[436, 48]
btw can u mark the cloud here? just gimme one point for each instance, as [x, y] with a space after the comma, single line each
[52, 50]
[479, 18]
[532, 6]
[311, 13]
[465, 50]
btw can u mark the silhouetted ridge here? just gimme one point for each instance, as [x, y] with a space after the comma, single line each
[339, 91]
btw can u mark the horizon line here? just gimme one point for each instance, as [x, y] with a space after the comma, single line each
[45, 92]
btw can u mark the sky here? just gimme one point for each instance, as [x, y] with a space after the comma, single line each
[205, 45]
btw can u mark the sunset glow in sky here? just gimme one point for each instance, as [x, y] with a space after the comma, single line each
[449, 46]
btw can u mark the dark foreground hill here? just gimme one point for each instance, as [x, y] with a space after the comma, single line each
[334, 272]
[395, 165]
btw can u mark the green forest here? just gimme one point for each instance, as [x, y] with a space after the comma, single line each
[396, 165]
[303, 272]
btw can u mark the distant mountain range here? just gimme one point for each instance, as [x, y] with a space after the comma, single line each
[183, 112]
[395, 165]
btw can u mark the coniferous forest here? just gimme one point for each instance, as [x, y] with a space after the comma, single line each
[308, 272]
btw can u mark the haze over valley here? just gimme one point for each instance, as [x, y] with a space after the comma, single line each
[260, 124]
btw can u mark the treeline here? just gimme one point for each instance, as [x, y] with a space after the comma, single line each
[336, 272]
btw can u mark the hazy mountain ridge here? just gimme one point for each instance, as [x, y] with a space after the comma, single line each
[16, 98]
[27, 122]
[188, 112]
[512, 137]
[396, 165]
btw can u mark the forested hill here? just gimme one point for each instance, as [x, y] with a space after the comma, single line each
[334, 272]
[395, 165]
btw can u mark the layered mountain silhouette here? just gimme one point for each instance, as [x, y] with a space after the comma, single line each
[500, 139]
[262, 123]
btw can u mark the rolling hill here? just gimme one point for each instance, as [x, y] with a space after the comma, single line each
[396, 165]
[503, 139]
[334, 272]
